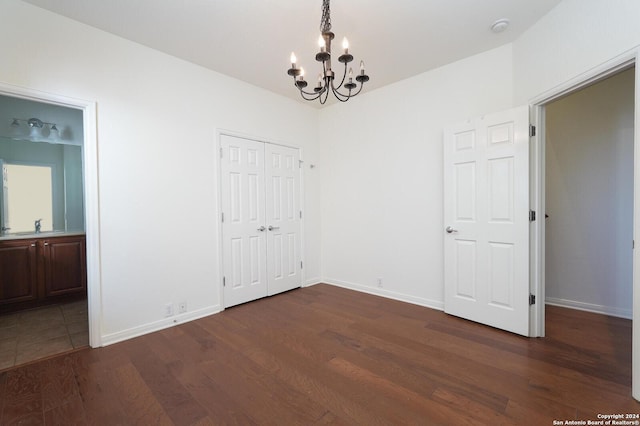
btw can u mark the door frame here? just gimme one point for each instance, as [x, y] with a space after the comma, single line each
[537, 194]
[91, 195]
[218, 147]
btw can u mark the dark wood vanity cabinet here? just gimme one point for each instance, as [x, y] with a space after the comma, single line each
[39, 271]
[18, 271]
[64, 266]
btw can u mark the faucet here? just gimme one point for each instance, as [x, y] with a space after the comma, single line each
[37, 225]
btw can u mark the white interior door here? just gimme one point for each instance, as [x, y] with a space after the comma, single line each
[243, 225]
[260, 194]
[486, 213]
[283, 218]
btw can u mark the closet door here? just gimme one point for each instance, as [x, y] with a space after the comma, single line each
[243, 227]
[284, 269]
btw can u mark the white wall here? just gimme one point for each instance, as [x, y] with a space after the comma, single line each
[589, 197]
[157, 117]
[382, 177]
[574, 37]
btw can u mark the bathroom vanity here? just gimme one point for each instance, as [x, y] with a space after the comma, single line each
[39, 269]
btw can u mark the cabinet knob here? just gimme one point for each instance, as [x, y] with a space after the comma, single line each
[33, 244]
[46, 243]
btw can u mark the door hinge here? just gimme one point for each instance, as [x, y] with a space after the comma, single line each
[300, 214]
[300, 164]
[532, 299]
[532, 130]
[633, 244]
[301, 264]
[221, 151]
[532, 215]
[224, 281]
[222, 216]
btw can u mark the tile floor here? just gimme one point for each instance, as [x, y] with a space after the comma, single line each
[38, 333]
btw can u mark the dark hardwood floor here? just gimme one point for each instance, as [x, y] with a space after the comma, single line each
[328, 355]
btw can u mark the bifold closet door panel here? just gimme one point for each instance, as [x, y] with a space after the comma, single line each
[284, 268]
[244, 234]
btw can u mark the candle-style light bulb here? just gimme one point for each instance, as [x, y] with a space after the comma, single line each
[322, 44]
[319, 79]
[350, 73]
[293, 58]
[362, 67]
[301, 73]
[345, 45]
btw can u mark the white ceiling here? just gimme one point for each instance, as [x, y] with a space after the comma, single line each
[252, 39]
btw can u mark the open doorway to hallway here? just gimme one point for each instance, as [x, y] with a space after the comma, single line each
[589, 154]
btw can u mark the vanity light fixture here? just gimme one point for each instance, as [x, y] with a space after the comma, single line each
[35, 127]
[326, 79]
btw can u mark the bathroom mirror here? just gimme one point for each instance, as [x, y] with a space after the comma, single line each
[27, 194]
[41, 181]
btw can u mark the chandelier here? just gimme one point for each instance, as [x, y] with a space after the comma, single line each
[326, 79]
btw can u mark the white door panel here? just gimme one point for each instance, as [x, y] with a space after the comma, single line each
[260, 186]
[244, 244]
[486, 186]
[283, 218]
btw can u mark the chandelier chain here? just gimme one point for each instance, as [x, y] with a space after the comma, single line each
[325, 22]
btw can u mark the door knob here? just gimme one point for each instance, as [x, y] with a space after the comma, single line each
[450, 230]
[272, 228]
[261, 229]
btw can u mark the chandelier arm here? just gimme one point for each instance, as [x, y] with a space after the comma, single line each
[309, 93]
[310, 96]
[359, 89]
[350, 95]
[344, 75]
[326, 96]
[340, 96]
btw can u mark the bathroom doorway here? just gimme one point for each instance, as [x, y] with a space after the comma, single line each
[49, 281]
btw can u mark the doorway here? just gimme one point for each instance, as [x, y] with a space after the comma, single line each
[43, 294]
[83, 194]
[589, 197]
[610, 68]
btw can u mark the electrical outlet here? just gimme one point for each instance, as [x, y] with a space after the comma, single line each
[380, 282]
[182, 307]
[168, 310]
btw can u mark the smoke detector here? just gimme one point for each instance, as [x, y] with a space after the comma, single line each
[500, 25]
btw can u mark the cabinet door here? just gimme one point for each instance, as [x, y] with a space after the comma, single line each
[18, 271]
[64, 266]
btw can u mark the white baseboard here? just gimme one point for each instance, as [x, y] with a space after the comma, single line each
[109, 339]
[427, 303]
[312, 281]
[590, 307]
